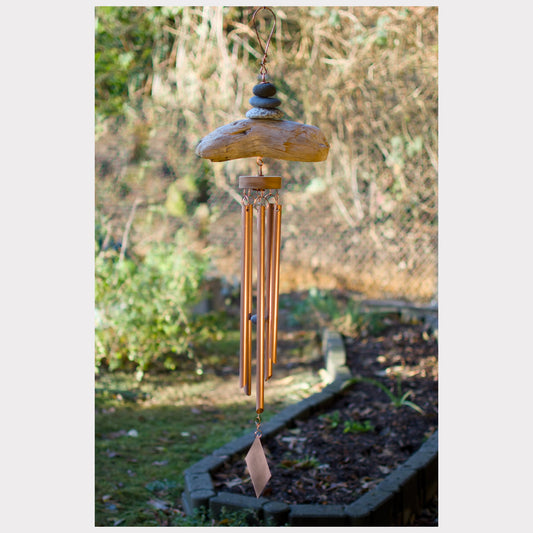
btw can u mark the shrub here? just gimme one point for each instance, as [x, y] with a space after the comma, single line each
[143, 308]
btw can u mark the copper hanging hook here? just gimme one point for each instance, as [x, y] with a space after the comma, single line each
[263, 69]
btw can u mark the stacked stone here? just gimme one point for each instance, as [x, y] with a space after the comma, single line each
[264, 106]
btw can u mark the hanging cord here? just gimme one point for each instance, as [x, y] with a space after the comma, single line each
[263, 69]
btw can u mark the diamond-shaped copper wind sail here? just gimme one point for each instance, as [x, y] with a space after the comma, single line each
[258, 466]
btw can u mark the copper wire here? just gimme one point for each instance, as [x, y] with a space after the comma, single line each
[263, 70]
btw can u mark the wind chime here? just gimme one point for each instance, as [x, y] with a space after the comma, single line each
[263, 133]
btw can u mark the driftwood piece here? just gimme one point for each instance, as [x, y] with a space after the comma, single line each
[279, 139]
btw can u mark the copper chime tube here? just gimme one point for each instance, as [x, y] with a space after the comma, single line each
[246, 299]
[250, 215]
[267, 256]
[243, 300]
[260, 332]
[274, 283]
[268, 277]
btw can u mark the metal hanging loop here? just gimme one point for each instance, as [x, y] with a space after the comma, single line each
[263, 69]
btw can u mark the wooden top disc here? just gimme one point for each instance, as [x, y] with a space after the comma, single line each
[259, 182]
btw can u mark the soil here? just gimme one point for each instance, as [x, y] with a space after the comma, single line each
[349, 447]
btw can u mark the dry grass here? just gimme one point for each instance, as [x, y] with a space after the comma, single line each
[367, 76]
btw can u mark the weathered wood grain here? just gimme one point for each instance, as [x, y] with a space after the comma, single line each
[279, 139]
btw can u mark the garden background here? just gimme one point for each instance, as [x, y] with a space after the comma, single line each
[48, 232]
[361, 225]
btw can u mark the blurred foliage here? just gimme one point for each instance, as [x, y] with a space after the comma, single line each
[144, 315]
[129, 42]
[322, 308]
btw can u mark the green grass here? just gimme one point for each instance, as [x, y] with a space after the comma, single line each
[148, 433]
[147, 436]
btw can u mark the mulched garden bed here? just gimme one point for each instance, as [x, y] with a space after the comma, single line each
[348, 448]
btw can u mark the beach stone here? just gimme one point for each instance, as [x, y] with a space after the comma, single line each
[264, 90]
[265, 103]
[259, 112]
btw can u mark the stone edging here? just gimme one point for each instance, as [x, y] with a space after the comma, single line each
[403, 493]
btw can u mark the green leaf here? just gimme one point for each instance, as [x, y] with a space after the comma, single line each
[414, 406]
[406, 395]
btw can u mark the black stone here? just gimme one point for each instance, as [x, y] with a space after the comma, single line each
[265, 103]
[264, 90]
